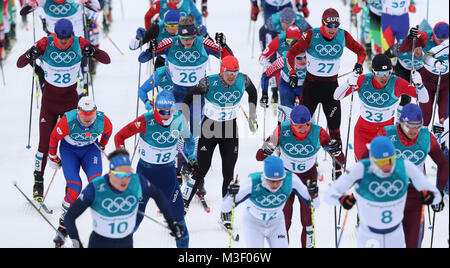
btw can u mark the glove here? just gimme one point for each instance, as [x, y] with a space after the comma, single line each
[438, 130]
[264, 101]
[335, 147]
[252, 124]
[412, 8]
[313, 190]
[55, 161]
[204, 10]
[233, 189]
[268, 148]
[152, 45]
[255, 11]
[176, 229]
[413, 32]
[32, 53]
[440, 66]
[439, 207]
[145, 56]
[337, 172]
[358, 69]
[140, 33]
[148, 106]
[293, 80]
[426, 197]
[347, 201]
[356, 9]
[89, 51]
[416, 79]
[353, 79]
[220, 39]
[201, 29]
[304, 9]
[76, 243]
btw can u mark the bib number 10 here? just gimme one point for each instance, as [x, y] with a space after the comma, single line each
[119, 228]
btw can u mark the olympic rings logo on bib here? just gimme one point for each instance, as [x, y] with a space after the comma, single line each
[83, 137]
[414, 157]
[386, 188]
[299, 149]
[63, 56]
[119, 204]
[166, 136]
[328, 49]
[271, 199]
[187, 56]
[60, 9]
[376, 97]
[227, 97]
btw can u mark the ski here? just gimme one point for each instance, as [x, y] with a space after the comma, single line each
[41, 205]
[204, 204]
[235, 237]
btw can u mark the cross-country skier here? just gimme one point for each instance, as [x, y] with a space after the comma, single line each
[159, 132]
[114, 199]
[159, 31]
[277, 48]
[379, 94]
[395, 20]
[265, 194]
[288, 96]
[54, 10]
[223, 94]
[60, 54]
[324, 47]
[186, 8]
[271, 7]
[414, 142]
[299, 142]
[381, 184]
[77, 130]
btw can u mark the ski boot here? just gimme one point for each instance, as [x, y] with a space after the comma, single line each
[38, 188]
[201, 192]
[274, 101]
[264, 101]
[58, 240]
[225, 220]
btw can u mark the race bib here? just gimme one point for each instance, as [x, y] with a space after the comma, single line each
[323, 68]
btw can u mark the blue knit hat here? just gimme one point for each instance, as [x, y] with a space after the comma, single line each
[441, 30]
[63, 27]
[381, 147]
[119, 160]
[164, 100]
[172, 17]
[274, 167]
[411, 113]
[287, 15]
[300, 115]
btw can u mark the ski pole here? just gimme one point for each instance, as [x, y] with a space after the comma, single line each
[422, 222]
[3, 74]
[349, 125]
[345, 74]
[110, 40]
[137, 99]
[343, 226]
[45, 218]
[436, 98]
[48, 188]
[31, 105]
[232, 215]
[152, 219]
[432, 229]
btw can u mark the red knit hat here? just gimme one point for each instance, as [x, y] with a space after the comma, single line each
[293, 32]
[230, 63]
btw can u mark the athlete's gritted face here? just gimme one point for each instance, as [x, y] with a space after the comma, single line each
[229, 76]
[382, 80]
[63, 41]
[418, 52]
[274, 184]
[331, 31]
[187, 43]
[411, 129]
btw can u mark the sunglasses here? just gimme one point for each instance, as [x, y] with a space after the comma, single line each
[385, 161]
[122, 175]
[409, 125]
[165, 111]
[86, 114]
[231, 72]
[302, 125]
[186, 38]
[171, 26]
[335, 25]
[300, 57]
[64, 37]
[383, 73]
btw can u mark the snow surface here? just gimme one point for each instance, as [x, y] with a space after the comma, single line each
[115, 88]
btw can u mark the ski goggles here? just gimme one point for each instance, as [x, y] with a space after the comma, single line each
[121, 175]
[231, 72]
[165, 111]
[416, 125]
[300, 57]
[87, 113]
[187, 38]
[62, 37]
[383, 73]
[332, 25]
[171, 26]
[384, 161]
[301, 125]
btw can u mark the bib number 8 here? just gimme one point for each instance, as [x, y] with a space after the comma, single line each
[65, 78]
[386, 216]
[192, 78]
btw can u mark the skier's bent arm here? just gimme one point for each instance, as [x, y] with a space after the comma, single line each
[420, 182]
[344, 183]
[245, 191]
